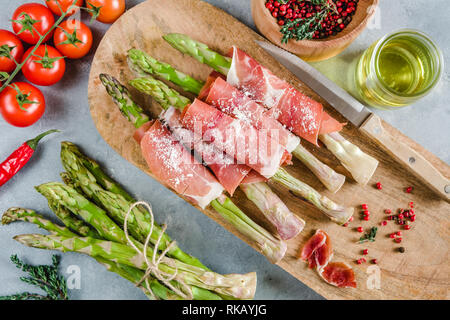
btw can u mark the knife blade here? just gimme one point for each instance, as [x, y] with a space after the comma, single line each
[368, 122]
[340, 99]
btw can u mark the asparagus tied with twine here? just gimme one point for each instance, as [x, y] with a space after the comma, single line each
[152, 266]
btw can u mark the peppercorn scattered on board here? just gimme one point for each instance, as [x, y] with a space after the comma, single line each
[421, 272]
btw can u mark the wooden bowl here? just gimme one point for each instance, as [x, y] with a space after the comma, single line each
[314, 50]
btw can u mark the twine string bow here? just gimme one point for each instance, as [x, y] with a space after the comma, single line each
[153, 264]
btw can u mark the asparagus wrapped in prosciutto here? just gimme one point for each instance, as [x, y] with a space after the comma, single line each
[300, 114]
[229, 173]
[207, 117]
[175, 166]
[143, 64]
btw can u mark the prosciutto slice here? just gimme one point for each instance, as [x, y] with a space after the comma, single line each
[339, 274]
[299, 113]
[233, 102]
[318, 252]
[235, 137]
[229, 174]
[174, 166]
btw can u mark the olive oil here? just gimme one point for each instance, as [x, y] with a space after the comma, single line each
[398, 69]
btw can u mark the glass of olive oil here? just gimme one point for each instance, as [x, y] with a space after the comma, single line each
[398, 69]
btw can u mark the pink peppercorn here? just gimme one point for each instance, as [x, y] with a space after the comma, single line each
[383, 223]
[378, 185]
[360, 229]
[365, 251]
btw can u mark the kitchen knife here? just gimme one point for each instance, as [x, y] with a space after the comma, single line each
[368, 122]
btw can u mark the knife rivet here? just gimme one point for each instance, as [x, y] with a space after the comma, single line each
[412, 160]
[447, 188]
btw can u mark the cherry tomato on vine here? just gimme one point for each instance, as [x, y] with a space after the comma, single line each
[31, 20]
[10, 47]
[45, 67]
[73, 39]
[106, 11]
[21, 104]
[64, 4]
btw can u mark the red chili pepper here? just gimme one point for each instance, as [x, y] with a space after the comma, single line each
[19, 158]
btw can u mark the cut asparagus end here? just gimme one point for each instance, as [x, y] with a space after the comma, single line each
[274, 249]
[335, 212]
[273, 208]
[332, 180]
[122, 98]
[199, 51]
[159, 91]
[142, 64]
[361, 165]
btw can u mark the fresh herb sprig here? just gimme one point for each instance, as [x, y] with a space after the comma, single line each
[369, 236]
[304, 28]
[45, 277]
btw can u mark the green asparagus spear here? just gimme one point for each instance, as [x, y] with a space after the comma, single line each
[199, 51]
[234, 285]
[117, 206]
[16, 214]
[163, 94]
[79, 205]
[71, 221]
[121, 97]
[271, 247]
[335, 212]
[144, 64]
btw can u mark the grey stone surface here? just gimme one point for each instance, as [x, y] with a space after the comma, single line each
[67, 109]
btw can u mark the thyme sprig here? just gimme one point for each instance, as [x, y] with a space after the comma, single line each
[304, 28]
[45, 277]
[369, 236]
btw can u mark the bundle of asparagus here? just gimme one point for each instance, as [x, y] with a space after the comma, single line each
[95, 209]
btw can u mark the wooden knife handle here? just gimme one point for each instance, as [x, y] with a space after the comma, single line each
[423, 169]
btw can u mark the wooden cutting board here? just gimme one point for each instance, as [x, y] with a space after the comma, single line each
[422, 272]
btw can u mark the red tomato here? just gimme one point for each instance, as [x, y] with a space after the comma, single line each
[45, 67]
[64, 4]
[21, 104]
[8, 40]
[107, 11]
[73, 39]
[32, 20]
